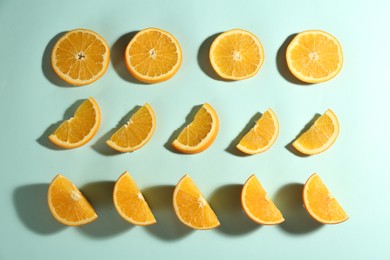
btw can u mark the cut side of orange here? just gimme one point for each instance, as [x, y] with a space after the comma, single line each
[262, 136]
[136, 133]
[320, 136]
[79, 129]
[314, 56]
[200, 133]
[130, 203]
[67, 204]
[257, 205]
[191, 207]
[153, 55]
[80, 57]
[236, 54]
[320, 203]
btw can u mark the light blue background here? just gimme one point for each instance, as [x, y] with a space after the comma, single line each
[355, 169]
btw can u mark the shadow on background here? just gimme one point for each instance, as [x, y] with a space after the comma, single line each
[232, 146]
[109, 222]
[168, 226]
[31, 206]
[289, 200]
[226, 202]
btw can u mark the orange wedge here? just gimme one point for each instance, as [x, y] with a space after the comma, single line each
[257, 205]
[67, 204]
[236, 55]
[200, 133]
[130, 203]
[314, 56]
[262, 136]
[153, 55]
[320, 203]
[191, 207]
[79, 129]
[80, 57]
[320, 136]
[136, 133]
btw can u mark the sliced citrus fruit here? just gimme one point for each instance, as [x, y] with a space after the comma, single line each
[257, 205]
[79, 129]
[130, 203]
[200, 133]
[80, 57]
[262, 136]
[314, 56]
[136, 133]
[191, 207]
[320, 136]
[320, 203]
[67, 204]
[153, 55]
[236, 54]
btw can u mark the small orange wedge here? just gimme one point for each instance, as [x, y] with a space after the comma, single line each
[67, 204]
[136, 133]
[130, 203]
[191, 207]
[200, 133]
[262, 136]
[79, 129]
[320, 203]
[257, 205]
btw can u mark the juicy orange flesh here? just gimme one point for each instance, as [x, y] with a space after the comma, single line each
[69, 203]
[198, 129]
[259, 204]
[315, 56]
[130, 201]
[237, 55]
[153, 54]
[136, 130]
[76, 128]
[192, 206]
[260, 136]
[321, 203]
[80, 55]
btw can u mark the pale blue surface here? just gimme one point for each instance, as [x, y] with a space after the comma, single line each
[355, 168]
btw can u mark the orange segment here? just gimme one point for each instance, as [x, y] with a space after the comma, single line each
[314, 56]
[320, 203]
[67, 204]
[153, 55]
[191, 207]
[236, 54]
[79, 129]
[320, 136]
[262, 136]
[80, 57]
[200, 133]
[136, 133]
[130, 203]
[257, 205]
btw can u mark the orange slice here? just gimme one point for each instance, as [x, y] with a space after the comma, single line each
[67, 204]
[130, 203]
[191, 207]
[136, 133]
[320, 136]
[80, 57]
[320, 203]
[257, 205]
[314, 56]
[236, 54]
[153, 55]
[200, 133]
[262, 136]
[79, 129]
